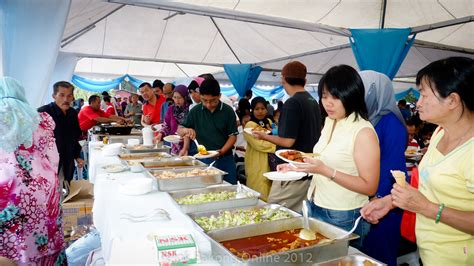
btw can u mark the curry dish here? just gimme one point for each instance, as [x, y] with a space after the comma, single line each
[262, 245]
[294, 156]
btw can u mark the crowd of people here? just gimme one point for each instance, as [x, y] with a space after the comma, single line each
[356, 128]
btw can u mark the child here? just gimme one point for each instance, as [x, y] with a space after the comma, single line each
[256, 154]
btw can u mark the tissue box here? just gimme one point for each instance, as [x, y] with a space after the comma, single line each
[176, 250]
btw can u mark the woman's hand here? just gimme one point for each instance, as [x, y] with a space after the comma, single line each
[284, 167]
[409, 198]
[183, 152]
[374, 210]
[158, 138]
[312, 166]
[259, 135]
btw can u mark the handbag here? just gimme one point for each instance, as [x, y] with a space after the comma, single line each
[409, 218]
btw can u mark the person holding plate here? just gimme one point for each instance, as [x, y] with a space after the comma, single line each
[256, 153]
[299, 129]
[443, 202]
[347, 171]
[175, 116]
[213, 124]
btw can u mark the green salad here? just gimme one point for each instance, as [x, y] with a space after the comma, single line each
[239, 217]
[207, 197]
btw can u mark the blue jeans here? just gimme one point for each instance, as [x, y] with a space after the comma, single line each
[342, 219]
[225, 163]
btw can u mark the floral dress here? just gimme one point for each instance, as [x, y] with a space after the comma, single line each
[30, 212]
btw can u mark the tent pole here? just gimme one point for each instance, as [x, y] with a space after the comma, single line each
[225, 40]
[236, 15]
[182, 70]
[90, 25]
[84, 55]
[442, 24]
[77, 35]
[384, 12]
[339, 47]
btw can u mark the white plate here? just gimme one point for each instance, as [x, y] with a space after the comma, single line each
[114, 168]
[288, 176]
[209, 154]
[249, 130]
[172, 138]
[138, 186]
[277, 153]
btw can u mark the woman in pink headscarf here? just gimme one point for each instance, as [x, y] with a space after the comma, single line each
[175, 116]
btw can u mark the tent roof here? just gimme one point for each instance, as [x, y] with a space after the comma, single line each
[153, 38]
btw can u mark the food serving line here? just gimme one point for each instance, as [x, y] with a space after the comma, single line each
[131, 219]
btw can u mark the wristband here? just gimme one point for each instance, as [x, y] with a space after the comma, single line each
[438, 215]
[333, 176]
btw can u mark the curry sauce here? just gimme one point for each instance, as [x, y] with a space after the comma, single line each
[256, 246]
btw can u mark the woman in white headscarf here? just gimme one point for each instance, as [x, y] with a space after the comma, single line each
[384, 237]
[30, 212]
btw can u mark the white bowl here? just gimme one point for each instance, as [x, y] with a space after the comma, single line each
[112, 149]
[137, 186]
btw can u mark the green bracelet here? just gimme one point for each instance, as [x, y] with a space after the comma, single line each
[438, 215]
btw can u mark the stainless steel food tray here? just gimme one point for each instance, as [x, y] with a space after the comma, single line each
[217, 205]
[174, 162]
[147, 149]
[260, 205]
[181, 183]
[320, 252]
[144, 157]
[353, 260]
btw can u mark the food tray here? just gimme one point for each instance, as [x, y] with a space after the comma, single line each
[144, 157]
[181, 183]
[320, 252]
[174, 162]
[217, 205]
[147, 149]
[353, 260]
[260, 205]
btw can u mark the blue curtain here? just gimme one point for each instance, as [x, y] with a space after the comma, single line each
[403, 94]
[30, 36]
[134, 81]
[242, 76]
[103, 85]
[381, 50]
[96, 85]
[267, 93]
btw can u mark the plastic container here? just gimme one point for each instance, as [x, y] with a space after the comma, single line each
[147, 135]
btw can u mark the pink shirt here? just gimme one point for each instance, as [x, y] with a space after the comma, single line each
[31, 224]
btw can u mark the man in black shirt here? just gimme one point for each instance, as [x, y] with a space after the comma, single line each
[299, 129]
[67, 131]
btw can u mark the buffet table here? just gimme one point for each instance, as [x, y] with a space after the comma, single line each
[123, 241]
[127, 242]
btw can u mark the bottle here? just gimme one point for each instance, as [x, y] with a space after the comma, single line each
[147, 133]
[105, 140]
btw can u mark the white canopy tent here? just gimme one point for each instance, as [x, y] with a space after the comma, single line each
[175, 39]
[171, 40]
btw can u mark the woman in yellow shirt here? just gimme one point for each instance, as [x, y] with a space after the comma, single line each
[256, 154]
[444, 201]
[347, 171]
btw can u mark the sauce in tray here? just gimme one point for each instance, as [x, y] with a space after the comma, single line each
[256, 246]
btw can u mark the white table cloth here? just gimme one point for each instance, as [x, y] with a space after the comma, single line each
[123, 241]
